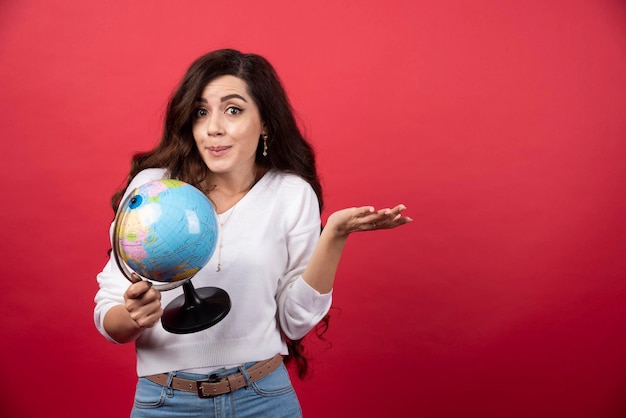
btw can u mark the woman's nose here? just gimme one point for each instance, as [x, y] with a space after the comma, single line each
[215, 126]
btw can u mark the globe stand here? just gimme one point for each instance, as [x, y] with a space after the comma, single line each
[195, 310]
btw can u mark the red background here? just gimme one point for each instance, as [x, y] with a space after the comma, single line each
[500, 125]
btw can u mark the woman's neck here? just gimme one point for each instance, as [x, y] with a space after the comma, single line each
[226, 190]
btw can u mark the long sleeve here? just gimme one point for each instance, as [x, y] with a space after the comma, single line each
[300, 307]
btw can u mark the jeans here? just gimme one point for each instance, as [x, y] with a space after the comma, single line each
[272, 396]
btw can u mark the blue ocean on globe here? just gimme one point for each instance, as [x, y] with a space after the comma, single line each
[167, 230]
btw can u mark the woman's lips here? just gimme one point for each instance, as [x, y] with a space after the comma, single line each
[218, 150]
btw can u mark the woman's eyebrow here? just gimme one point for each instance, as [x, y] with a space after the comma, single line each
[223, 99]
[233, 96]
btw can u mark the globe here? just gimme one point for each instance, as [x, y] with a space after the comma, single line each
[166, 230]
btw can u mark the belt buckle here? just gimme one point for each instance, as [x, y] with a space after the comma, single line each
[200, 388]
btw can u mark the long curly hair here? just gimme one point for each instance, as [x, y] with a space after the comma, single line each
[177, 151]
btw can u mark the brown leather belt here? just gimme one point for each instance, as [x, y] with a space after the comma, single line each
[218, 386]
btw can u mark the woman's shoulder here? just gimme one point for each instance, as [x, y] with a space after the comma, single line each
[288, 190]
[284, 180]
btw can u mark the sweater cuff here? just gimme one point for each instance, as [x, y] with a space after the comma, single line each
[311, 297]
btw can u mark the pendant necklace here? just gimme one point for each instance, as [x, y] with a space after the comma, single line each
[223, 224]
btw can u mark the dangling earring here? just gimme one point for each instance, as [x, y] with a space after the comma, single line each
[265, 145]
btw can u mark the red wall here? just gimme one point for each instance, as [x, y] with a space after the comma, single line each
[500, 125]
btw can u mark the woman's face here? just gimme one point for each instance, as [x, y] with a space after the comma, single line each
[227, 126]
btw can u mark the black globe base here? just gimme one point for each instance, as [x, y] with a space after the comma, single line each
[195, 310]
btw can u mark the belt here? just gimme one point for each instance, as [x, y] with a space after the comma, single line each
[218, 386]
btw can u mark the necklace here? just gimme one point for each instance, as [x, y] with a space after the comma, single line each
[230, 215]
[219, 245]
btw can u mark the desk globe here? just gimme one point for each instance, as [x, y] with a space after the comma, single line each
[166, 231]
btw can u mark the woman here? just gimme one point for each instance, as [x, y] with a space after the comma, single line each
[230, 132]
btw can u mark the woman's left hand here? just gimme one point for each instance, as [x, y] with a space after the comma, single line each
[322, 267]
[366, 218]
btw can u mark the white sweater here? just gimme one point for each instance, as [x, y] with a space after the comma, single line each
[267, 242]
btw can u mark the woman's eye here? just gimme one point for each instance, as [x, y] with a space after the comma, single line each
[233, 110]
[198, 113]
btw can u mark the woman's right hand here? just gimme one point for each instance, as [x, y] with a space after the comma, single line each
[143, 304]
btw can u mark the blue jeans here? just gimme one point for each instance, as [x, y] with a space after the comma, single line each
[272, 396]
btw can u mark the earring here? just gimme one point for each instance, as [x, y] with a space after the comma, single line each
[265, 145]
